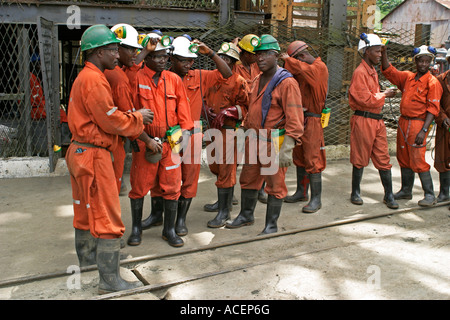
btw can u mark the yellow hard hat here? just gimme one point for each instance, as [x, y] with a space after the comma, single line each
[249, 42]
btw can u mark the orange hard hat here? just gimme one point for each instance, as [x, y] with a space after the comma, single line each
[295, 47]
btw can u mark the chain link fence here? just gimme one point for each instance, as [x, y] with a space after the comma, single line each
[23, 131]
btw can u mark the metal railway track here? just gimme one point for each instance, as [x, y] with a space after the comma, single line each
[153, 287]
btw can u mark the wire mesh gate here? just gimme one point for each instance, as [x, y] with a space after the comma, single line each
[24, 133]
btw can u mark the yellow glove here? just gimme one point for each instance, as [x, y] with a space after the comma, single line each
[285, 155]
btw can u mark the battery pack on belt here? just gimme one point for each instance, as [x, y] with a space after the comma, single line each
[367, 114]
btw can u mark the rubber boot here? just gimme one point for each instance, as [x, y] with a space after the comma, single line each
[315, 180]
[214, 207]
[249, 198]
[407, 184]
[262, 195]
[355, 197]
[427, 186]
[156, 215]
[225, 196]
[272, 214]
[444, 180]
[108, 256]
[168, 233]
[136, 219]
[301, 194]
[86, 247]
[183, 208]
[386, 180]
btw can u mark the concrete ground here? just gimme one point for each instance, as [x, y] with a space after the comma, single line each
[398, 254]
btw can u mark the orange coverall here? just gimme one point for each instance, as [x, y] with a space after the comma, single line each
[164, 175]
[418, 98]
[96, 123]
[245, 73]
[368, 137]
[313, 82]
[224, 94]
[442, 150]
[286, 102]
[132, 72]
[37, 98]
[123, 99]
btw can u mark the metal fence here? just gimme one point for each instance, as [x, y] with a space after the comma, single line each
[22, 133]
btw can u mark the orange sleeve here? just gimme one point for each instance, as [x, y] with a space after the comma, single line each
[183, 109]
[396, 77]
[242, 96]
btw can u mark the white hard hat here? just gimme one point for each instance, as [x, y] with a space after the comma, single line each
[448, 54]
[182, 46]
[127, 35]
[229, 49]
[424, 51]
[371, 40]
[159, 45]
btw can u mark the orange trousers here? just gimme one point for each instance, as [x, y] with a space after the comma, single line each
[224, 166]
[368, 140]
[409, 156]
[119, 161]
[254, 173]
[146, 176]
[311, 153]
[96, 203]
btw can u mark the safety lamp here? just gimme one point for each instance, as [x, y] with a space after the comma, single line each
[121, 32]
[193, 48]
[255, 42]
[225, 47]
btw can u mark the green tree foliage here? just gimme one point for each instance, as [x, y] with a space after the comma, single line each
[387, 6]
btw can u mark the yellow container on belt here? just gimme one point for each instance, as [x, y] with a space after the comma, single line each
[278, 138]
[325, 117]
[173, 135]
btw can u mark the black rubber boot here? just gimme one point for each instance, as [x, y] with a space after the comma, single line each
[301, 194]
[225, 196]
[156, 215]
[170, 213]
[272, 214]
[315, 180]
[427, 186]
[214, 207]
[249, 198]
[386, 180]
[108, 255]
[86, 247]
[407, 184]
[444, 180]
[262, 195]
[355, 197]
[136, 219]
[183, 208]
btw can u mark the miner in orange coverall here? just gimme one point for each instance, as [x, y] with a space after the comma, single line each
[163, 92]
[442, 149]
[227, 101]
[421, 95]
[96, 123]
[368, 139]
[121, 88]
[196, 83]
[309, 157]
[275, 105]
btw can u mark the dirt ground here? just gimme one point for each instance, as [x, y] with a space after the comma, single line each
[402, 254]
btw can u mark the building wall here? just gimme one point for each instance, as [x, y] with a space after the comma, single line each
[413, 12]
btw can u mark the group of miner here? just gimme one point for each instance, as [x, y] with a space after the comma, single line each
[126, 91]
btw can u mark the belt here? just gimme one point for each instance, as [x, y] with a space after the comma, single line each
[412, 118]
[90, 145]
[367, 114]
[314, 115]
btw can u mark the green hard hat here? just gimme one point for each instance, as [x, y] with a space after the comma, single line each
[97, 36]
[268, 43]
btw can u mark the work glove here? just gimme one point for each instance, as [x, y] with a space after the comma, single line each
[285, 154]
[231, 112]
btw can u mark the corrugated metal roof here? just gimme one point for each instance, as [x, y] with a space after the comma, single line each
[445, 3]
